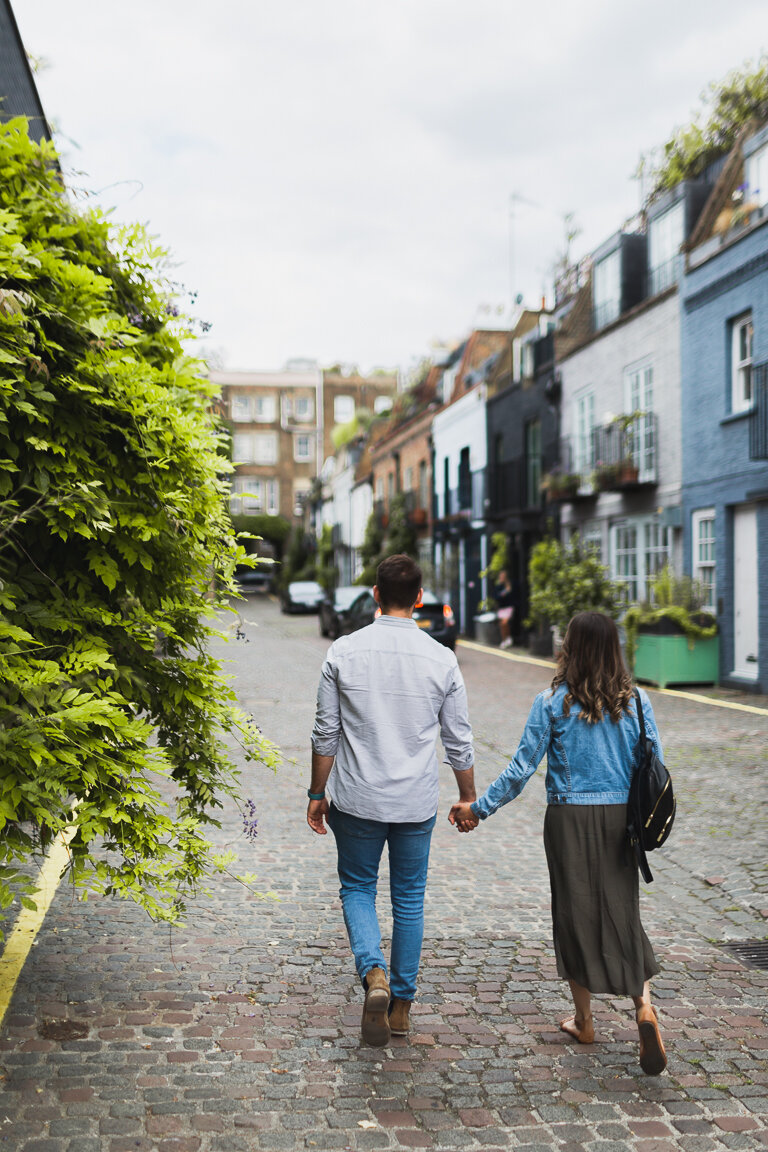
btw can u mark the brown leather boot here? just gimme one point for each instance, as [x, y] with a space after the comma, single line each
[375, 1022]
[400, 1016]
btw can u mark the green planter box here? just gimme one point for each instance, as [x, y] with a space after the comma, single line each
[667, 660]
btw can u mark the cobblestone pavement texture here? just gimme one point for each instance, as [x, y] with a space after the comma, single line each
[242, 1030]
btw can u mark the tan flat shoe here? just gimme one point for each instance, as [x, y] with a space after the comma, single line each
[581, 1030]
[653, 1058]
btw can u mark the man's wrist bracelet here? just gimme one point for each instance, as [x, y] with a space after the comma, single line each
[315, 795]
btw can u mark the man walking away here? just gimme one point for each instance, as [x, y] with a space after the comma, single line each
[385, 692]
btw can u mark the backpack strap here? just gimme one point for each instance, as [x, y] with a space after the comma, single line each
[633, 824]
[640, 717]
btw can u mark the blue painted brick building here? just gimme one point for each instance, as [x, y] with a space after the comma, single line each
[724, 355]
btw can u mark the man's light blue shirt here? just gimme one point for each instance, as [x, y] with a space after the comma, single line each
[385, 694]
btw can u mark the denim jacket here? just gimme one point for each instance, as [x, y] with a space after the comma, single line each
[586, 763]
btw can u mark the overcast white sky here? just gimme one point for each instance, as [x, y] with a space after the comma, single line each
[334, 176]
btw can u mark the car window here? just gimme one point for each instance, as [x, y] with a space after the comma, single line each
[343, 597]
[364, 605]
[429, 600]
[300, 586]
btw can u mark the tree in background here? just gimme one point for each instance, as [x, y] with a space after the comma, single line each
[567, 580]
[401, 537]
[299, 557]
[371, 550]
[326, 572]
[115, 551]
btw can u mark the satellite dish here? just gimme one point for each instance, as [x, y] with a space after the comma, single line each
[519, 298]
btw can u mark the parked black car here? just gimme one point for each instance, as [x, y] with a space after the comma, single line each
[301, 596]
[345, 610]
[433, 615]
[258, 579]
[437, 619]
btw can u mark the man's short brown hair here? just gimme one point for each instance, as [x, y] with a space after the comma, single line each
[399, 580]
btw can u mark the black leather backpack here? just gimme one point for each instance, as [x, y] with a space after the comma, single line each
[651, 807]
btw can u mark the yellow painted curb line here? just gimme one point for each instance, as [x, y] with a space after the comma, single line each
[711, 700]
[27, 926]
[506, 655]
[664, 691]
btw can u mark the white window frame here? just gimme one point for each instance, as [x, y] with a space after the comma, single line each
[243, 448]
[606, 289]
[638, 397]
[665, 237]
[303, 408]
[592, 537]
[741, 363]
[640, 547]
[299, 438]
[382, 404]
[240, 408]
[246, 495]
[408, 480]
[703, 542]
[343, 409]
[757, 177]
[264, 409]
[273, 496]
[583, 439]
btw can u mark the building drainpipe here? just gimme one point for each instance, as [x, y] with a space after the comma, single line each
[320, 397]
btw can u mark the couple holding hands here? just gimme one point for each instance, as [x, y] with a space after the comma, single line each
[385, 694]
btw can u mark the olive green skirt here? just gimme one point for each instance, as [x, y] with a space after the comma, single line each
[599, 940]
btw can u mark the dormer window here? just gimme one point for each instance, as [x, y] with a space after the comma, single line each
[606, 290]
[756, 172]
[665, 235]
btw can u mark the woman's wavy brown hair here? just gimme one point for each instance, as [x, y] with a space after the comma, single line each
[592, 666]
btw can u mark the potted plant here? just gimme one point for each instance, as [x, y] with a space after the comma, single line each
[564, 581]
[605, 477]
[561, 485]
[671, 638]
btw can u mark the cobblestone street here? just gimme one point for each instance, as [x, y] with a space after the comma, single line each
[241, 1030]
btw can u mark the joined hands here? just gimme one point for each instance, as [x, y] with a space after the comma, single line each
[462, 816]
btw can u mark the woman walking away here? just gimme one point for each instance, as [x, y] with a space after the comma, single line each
[505, 601]
[587, 726]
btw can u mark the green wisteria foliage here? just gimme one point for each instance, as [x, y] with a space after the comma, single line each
[116, 551]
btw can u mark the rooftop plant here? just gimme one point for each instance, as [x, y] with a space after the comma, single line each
[726, 106]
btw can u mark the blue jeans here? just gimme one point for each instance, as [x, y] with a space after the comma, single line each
[359, 844]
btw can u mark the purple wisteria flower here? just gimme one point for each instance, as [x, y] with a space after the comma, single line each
[250, 823]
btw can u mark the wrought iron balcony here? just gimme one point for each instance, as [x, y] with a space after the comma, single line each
[624, 451]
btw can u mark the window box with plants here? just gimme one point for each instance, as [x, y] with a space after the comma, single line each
[559, 485]
[671, 638]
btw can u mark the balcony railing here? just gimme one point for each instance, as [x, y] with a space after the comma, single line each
[662, 277]
[415, 510]
[758, 420]
[467, 502]
[513, 486]
[624, 451]
[605, 313]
